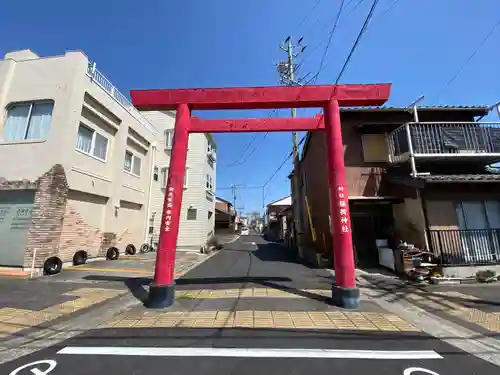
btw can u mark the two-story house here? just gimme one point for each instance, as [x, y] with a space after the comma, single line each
[422, 178]
[225, 214]
[78, 172]
[276, 225]
[198, 201]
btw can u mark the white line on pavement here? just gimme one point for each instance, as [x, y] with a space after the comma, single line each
[250, 352]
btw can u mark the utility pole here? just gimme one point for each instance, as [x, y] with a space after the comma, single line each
[287, 69]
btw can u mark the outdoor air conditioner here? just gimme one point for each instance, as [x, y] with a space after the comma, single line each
[211, 154]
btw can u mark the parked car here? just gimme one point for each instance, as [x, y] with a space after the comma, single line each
[245, 231]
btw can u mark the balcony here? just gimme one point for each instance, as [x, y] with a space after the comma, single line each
[435, 141]
[100, 80]
[466, 247]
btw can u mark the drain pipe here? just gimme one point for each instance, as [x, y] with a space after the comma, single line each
[151, 181]
[414, 109]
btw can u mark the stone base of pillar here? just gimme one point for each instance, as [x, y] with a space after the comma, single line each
[160, 296]
[347, 298]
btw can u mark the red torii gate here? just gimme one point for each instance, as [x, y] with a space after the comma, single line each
[329, 97]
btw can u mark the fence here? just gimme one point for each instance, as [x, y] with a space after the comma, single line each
[100, 80]
[464, 247]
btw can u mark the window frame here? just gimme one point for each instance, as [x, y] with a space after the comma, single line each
[165, 174]
[31, 104]
[156, 173]
[92, 144]
[169, 143]
[132, 164]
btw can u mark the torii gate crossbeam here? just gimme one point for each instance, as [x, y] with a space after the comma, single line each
[329, 97]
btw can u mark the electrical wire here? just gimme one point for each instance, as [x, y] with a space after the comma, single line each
[356, 42]
[330, 38]
[308, 14]
[387, 10]
[462, 68]
[238, 159]
[322, 40]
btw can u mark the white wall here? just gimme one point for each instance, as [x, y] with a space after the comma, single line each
[192, 232]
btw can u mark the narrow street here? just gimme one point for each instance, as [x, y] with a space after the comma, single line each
[243, 311]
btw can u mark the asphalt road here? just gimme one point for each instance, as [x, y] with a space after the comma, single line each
[250, 261]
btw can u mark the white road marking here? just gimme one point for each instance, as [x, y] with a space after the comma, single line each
[250, 352]
[35, 370]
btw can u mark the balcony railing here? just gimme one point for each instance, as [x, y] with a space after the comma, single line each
[465, 247]
[100, 80]
[433, 139]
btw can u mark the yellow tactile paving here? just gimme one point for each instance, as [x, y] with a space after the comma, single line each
[263, 319]
[13, 320]
[439, 302]
[247, 293]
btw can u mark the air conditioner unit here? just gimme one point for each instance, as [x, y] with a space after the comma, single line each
[211, 154]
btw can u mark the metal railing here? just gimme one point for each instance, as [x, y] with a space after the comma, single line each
[465, 247]
[100, 80]
[444, 138]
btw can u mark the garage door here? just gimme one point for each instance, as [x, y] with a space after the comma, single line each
[15, 220]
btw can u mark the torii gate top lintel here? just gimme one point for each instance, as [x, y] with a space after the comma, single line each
[262, 97]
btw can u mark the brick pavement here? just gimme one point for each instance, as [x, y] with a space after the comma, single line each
[265, 311]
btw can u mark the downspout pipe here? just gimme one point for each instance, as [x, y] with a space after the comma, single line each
[150, 191]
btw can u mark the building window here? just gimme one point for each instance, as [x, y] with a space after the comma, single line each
[91, 143]
[191, 214]
[209, 183]
[210, 162]
[132, 163]
[164, 177]
[155, 173]
[28, 121]
[169, 138]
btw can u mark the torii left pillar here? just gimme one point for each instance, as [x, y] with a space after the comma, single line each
[162, 290]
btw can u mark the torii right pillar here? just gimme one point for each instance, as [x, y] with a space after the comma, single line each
[344, 291]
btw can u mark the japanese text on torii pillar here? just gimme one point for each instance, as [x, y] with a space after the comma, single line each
[342, 204]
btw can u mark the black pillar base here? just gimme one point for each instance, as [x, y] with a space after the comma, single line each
[160, 296]
[347, 298]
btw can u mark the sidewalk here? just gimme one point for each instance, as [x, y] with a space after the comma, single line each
[30, 306]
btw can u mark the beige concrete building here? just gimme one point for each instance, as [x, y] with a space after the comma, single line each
[81, 168]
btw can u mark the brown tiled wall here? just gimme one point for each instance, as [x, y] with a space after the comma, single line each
[78, 235]
[47, 215]
[58, 229]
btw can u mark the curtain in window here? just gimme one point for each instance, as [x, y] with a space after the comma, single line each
[136, 166]
[84, 139]
[128, 162]
[100, 146]
[17, 120]
[41, 117]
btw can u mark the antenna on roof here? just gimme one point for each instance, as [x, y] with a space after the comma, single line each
[413, 107]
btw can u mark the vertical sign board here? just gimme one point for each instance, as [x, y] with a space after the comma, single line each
[15, 220]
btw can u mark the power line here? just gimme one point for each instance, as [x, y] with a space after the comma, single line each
[238, 162]
[459, 71]
[387, 10]
[330, 37]
[308, 14]
[328, 23]
[356, 42]
[283, 163]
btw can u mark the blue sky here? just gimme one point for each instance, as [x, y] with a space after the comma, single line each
[418, 46]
